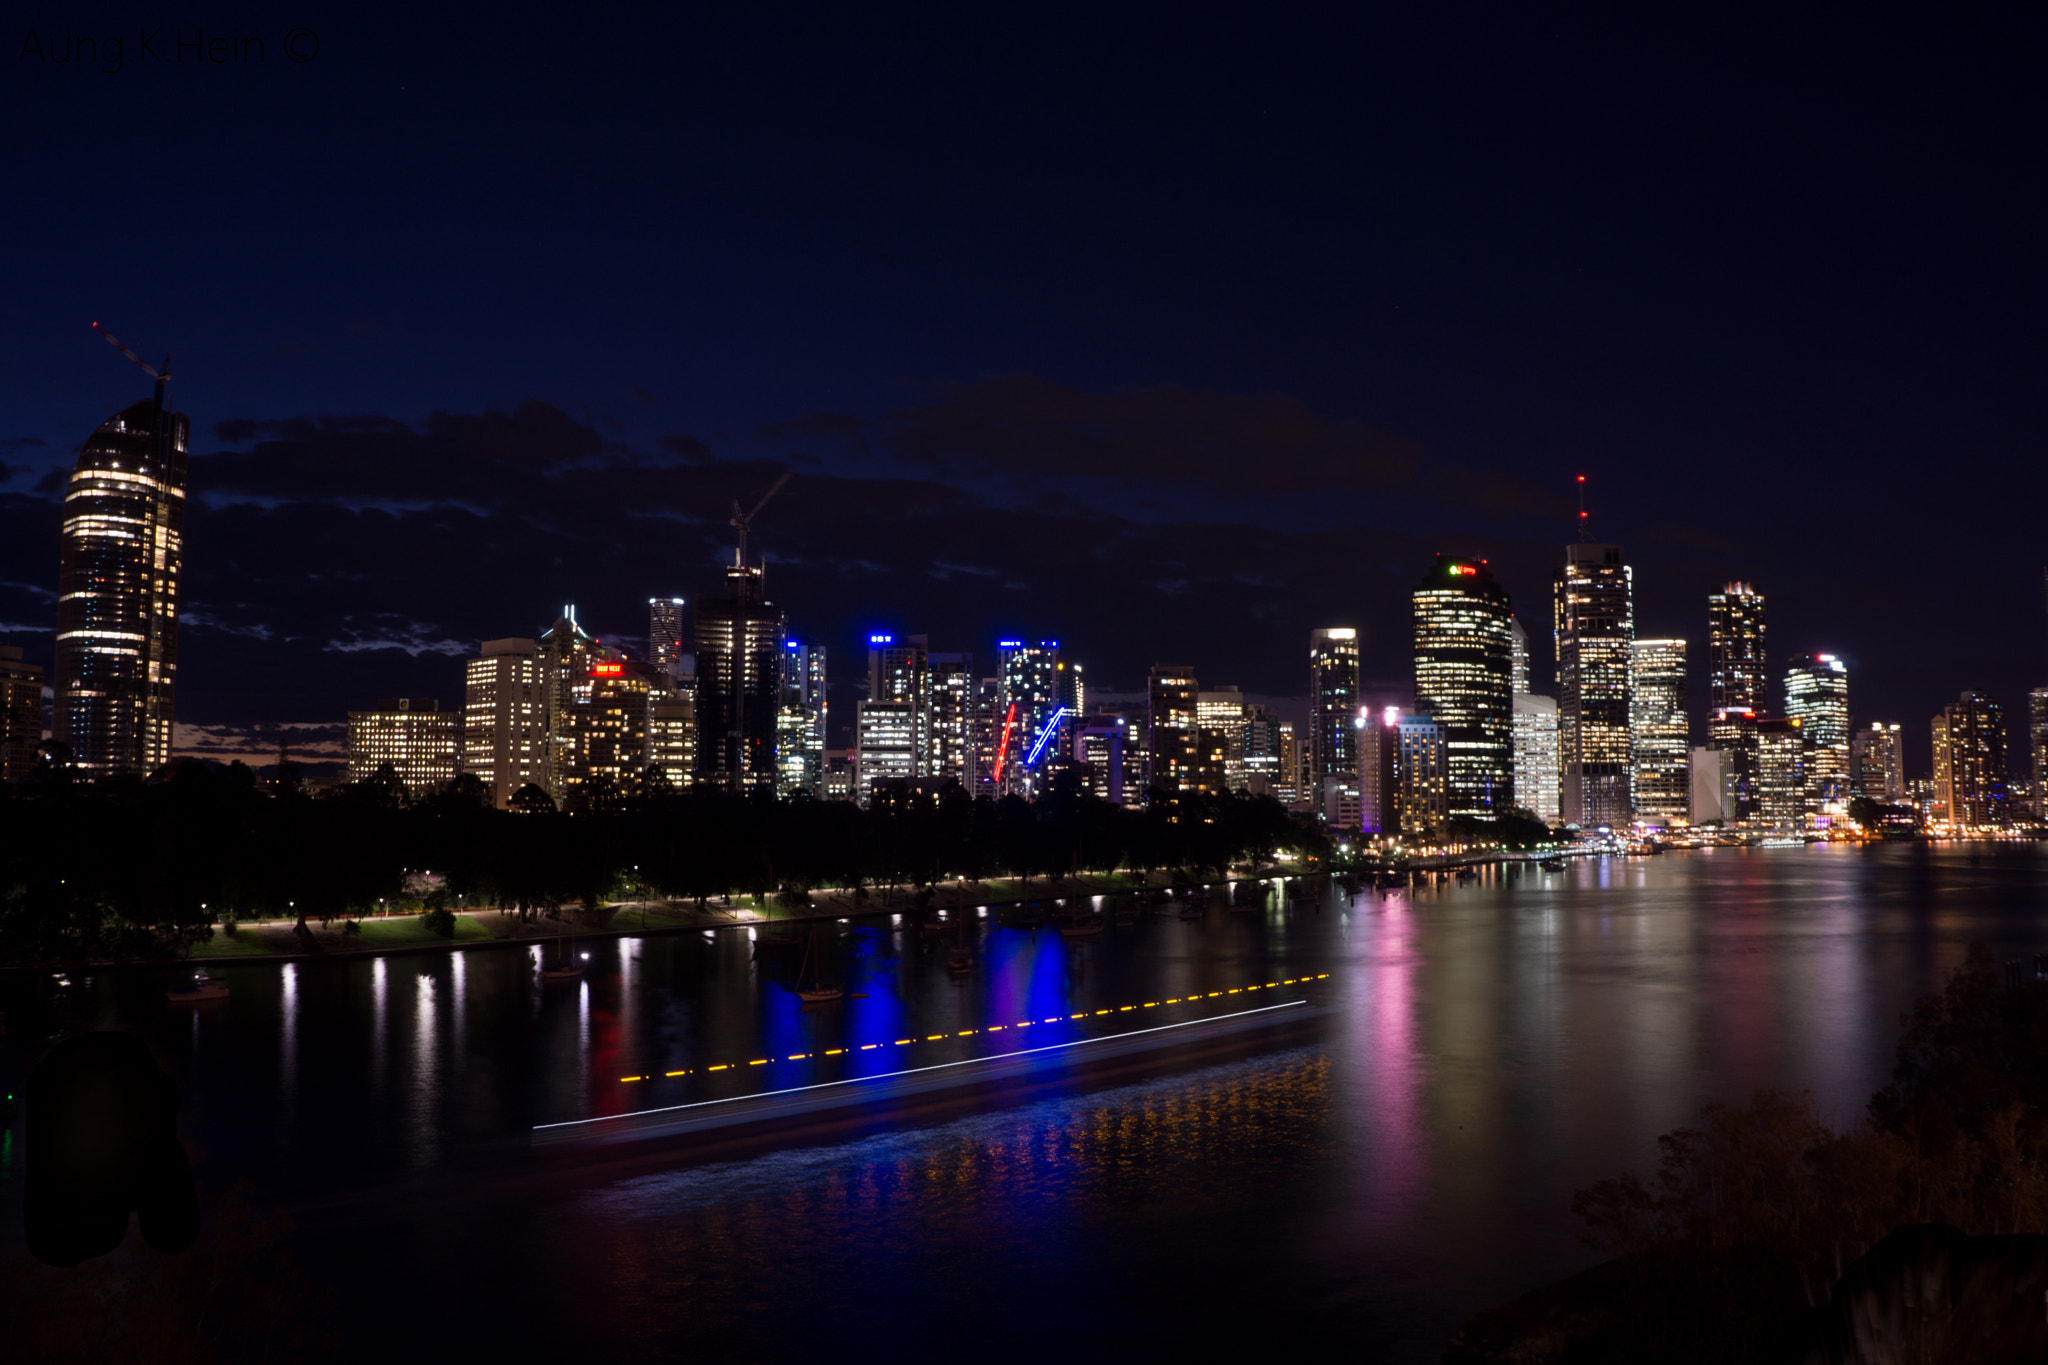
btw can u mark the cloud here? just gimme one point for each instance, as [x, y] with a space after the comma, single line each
[1186, 438]
[642, 397]
[1497, 494]
[688, 447]
[24, 443]
[226, 742]
[833, 426]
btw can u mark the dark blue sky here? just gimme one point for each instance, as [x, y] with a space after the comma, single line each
[1170, 335]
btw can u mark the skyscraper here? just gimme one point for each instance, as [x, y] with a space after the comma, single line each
[1737, 688]
[1780, 776]
[1464, 681]
[666, 642]
[739, 673]
[1817, 696]
[1520, 656]
[1658, 729]
[1173, 738]
[1536, 775]
[1028, 680]
[1220, 717]
[2037, 733]
[949, 723]
[800, 720]
[1423, 774]
[505, 718]
[1332, 716]
[117, 590]
[1594, 614]
[566, 650]
[607, 729]
[1379, 772]
[1969, 764]
[21, 714]
[1877, 765]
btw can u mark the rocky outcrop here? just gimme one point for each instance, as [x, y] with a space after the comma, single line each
[1931, 1295]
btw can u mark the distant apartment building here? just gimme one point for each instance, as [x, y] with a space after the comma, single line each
[1423, 775]
[1659, 733]
[1970, 778]
[1877, 764]
[1738, 690]
[1536, 775]
[21, 714]
[421, 742]
[1331, 758]
[1172, 729]
[1780, 776]
[1220, 718]
[607, 732]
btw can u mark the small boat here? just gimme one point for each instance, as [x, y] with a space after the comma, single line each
[1466, 874]
[1082, 927]
[1552, 864]
[565, 967]
[817, 992]
[202, 987]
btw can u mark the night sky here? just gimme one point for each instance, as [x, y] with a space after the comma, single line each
[1168, 336]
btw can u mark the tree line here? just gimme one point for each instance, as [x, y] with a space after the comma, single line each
[126, 868]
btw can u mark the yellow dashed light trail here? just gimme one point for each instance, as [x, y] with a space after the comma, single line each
[992, 1028]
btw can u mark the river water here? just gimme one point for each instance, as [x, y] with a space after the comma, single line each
[1399, 1155]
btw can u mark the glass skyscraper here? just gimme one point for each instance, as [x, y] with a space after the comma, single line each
[739, 676]
[1594, 619]
[1464, 681]
[117, 591]
[1659, 733]
[1332, 719]
[1970, 790]
[1817, 696]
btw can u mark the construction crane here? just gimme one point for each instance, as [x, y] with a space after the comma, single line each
[740, 522]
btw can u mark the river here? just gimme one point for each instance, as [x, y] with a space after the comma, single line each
[1362, 1176]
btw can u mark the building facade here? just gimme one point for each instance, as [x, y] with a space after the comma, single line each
[1029, 694]
[1332, 741]
[800, 720]
[668, 642]
[739, 639]
[1464, 680]
[1594, 619]
[1737, 688]
[421, 742]
[1817, 696]
[1877, 764]
[21, 714]
[1659, 733]
[607, 729]
[2037, 736]
[1422, 771]
[1172, 727]
[119, 562]
[1220, 718]
[1780, 776]
[505, 718]
[1536, 766]
[1970, 791]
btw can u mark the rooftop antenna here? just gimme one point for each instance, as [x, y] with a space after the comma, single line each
[1582, 509]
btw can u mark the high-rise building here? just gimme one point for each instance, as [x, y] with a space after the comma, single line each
[984, 736]
[421, 742]
[505, 718]
[948, 731]
[1877, 764]
[1266, 741]
[1028, 700]
[1379, 772]
[1737, 688]
[2037, 733]
[1713, 786]
[1288, 786]
[1970, 777]
[885, 745]
[1102, 743]
[1422, 769]
[1519, 659]
[1173, 739]
[1780, 776]
[1594, 610]
[1220, 719]
[667, 643]
[1464, 681]
[1659, 738]
[565, 652]
[739, 676]
[21, 714]
[1332, 756]
[117, 591]
[800, 719]
[1536, 772]
[1817, 696]
[607, 730]
[672, 737]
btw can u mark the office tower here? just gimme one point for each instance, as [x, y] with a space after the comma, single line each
[21, 714]
[565, 653]
[1877, 765]
[1027, 700]
[505, 718]
[1536, 770]
[1332, 716]
[1464, 681]
[1102, 744]
[607, 731]
[985, 727]
[1817, 696]
[1737, 688]
[1713, 786]
[1172, 727]
[739, 673]
[421, 742]
[800, 719]
[1219, 721]
[1594, 610]
[1264, 764]
[1379, 772]
[117, 591]
[896, 669]
[1287, 787]
[948, 732]
[1519, 659]
[1969, 764]
[2037, 732]
[666, 642]
[672, 737]
[1422, 768]
[1658, 732]
[1780, 776]
[1735, 650]
[885, 745]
